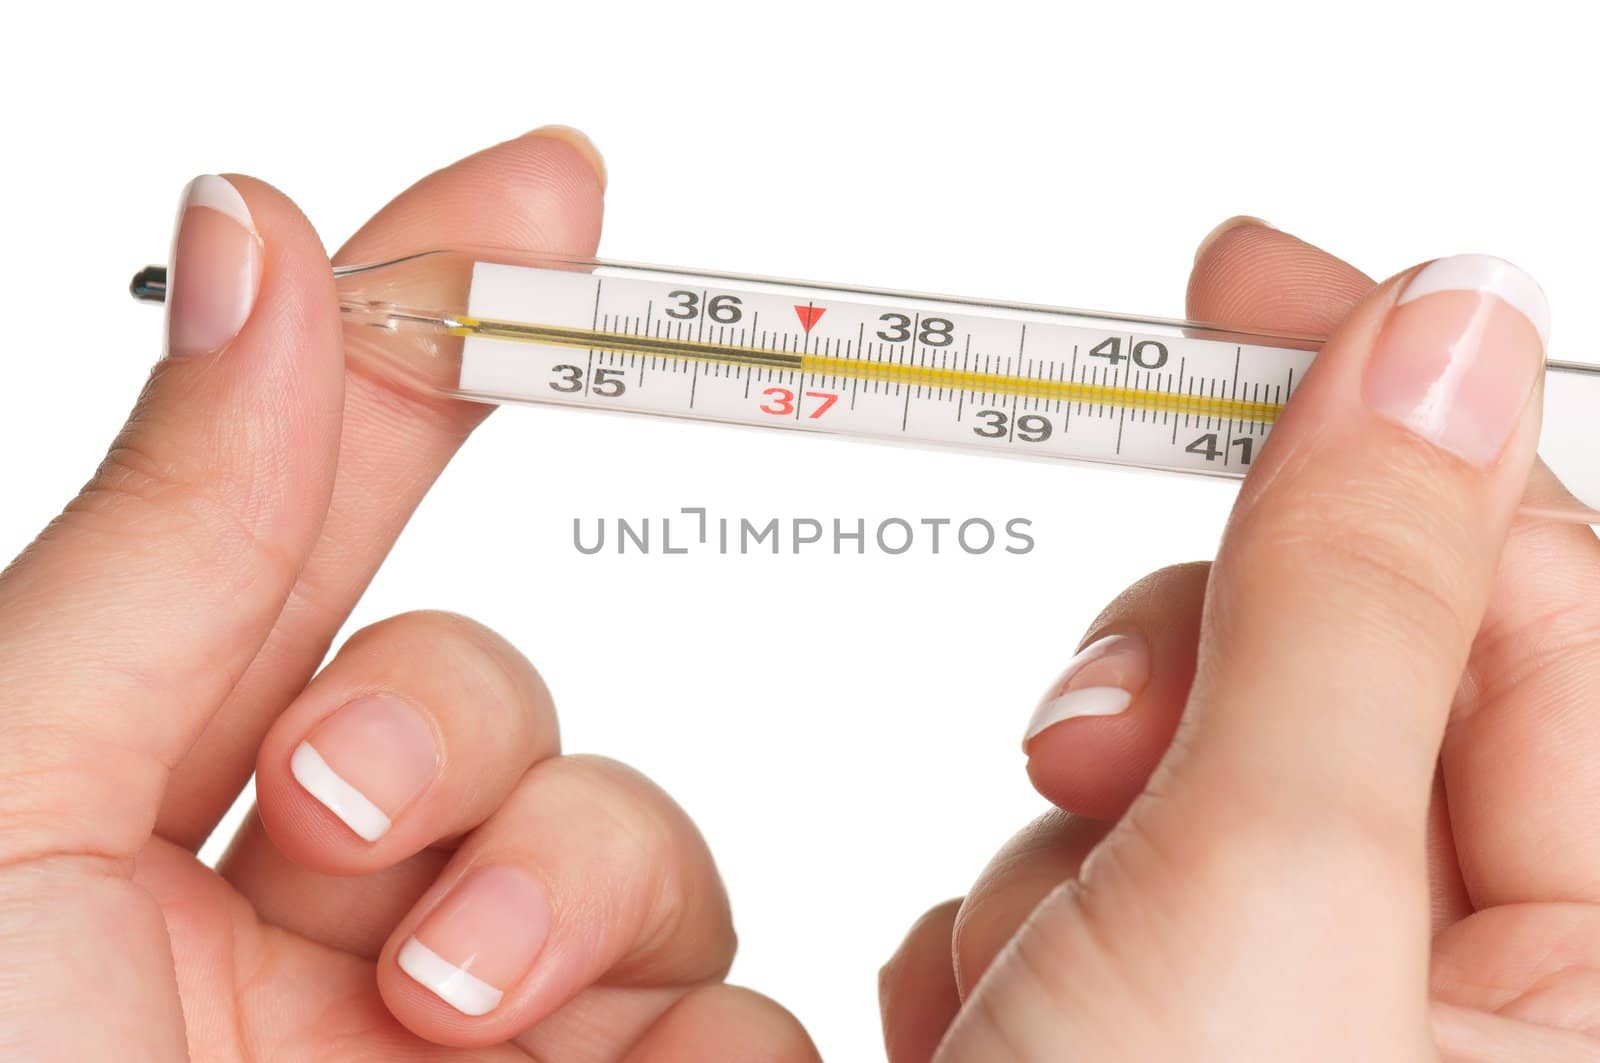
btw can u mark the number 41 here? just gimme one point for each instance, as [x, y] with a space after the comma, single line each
[1206, 446]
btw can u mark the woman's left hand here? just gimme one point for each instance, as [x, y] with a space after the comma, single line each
[1158, 912]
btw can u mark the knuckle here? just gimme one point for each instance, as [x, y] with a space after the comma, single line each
[781, 1034]
[657, 852]
[54, 805]
[980, 934]
[634, 818]
[1274, 854]
[215, 520]
[1184, 575]
[1543, 642]
[1543, 649]
[477, 658]
[1038, 983]
[1401, 560]
[742, 1016]
[936, 927]
[1158, 590]
[1352, 855]
[424, 626]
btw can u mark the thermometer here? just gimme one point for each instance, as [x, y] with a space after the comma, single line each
[502, 326]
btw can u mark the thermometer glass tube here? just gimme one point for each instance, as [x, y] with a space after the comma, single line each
[503, 326]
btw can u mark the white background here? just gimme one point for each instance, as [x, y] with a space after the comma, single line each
[844, 730]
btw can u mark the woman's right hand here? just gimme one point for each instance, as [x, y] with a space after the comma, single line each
[428, 877]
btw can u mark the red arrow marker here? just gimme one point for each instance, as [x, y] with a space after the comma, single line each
[809, 315]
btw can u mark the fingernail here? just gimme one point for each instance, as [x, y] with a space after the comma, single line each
[215, 268]
[1101, 680]
[578, 142]
[1459, 354]
[480, 939]
[1235, 222]
[367, 762]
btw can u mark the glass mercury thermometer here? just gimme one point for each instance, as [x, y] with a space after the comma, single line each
[502, 326]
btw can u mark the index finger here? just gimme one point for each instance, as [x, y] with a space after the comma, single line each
[539, 192]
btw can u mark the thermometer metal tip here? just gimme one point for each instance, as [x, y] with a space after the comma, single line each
[149, 285]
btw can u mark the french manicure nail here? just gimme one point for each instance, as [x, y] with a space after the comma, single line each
[367, 762]
[215, 269]
[1459, 354]
[480, 940]
[1101, 680]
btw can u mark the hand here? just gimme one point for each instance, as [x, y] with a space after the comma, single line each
[1338, 802]
[158, 641]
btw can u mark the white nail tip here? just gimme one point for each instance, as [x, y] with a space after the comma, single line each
[338, 796]
[218, 193]
[1090, 701]
[468, 995]
[1484, 273]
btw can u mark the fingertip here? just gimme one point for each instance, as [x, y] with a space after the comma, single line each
[725, 1022]
[1027, 869]
[278, 220]
[1096, 767]
[412, 734]
[1102, 679]
[917, 991]
[587, 874]
[1223, 228]
[1250, 275]
[214, 271]
[1086, 750]
[541, 191]
[1106, 722]
[580, 143]
[296, 290]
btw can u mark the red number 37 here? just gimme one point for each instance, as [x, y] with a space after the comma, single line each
[782, 402]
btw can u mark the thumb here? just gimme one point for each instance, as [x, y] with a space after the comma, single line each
[126, 622]
[1269, 888]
